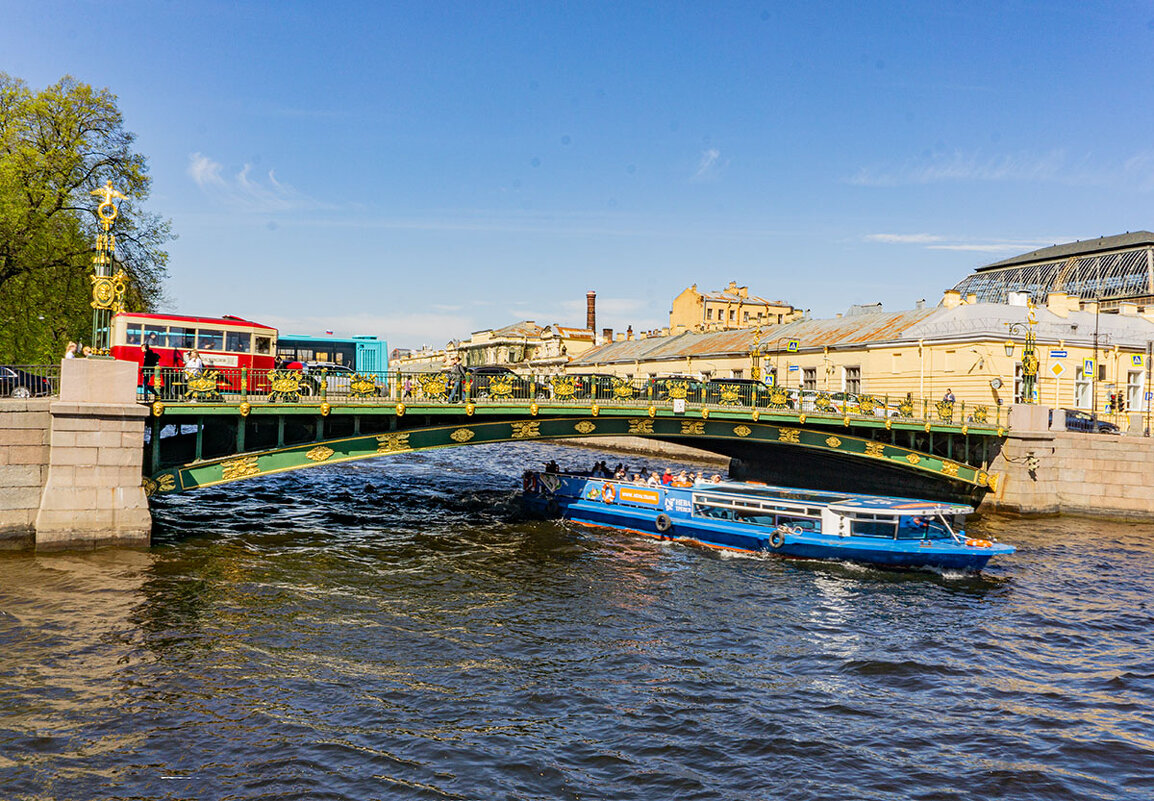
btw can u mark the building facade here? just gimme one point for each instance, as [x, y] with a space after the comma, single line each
[727, 309]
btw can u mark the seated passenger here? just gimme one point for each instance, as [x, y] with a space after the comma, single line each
[716, 479]
[667, 477]
[653, 480]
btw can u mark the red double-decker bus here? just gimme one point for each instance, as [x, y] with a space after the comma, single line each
[226, 344]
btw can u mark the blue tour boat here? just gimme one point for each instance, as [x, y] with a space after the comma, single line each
[806, 524]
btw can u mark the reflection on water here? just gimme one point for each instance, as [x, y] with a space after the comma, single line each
[397, 630]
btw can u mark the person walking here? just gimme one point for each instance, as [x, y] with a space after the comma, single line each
[457, 379]
[151, 374]
[949, 396]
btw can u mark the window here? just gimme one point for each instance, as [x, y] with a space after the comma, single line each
[1017, 382]
[853, 379]
[156, 336]
[183, 338]
[709, 313]
[1134, 381]
[746, 318]
[133, 334]
[208, 339]
[1081, 389]
[809, 378]
[732, 315]
[874, 528]
[737, 374]
[264, 345]
[238, 342]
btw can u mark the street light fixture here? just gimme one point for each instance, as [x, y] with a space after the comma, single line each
[1029, 356]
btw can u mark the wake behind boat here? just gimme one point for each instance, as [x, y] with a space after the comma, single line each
[807, 524]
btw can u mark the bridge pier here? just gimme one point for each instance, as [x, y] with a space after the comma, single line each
[72, 467]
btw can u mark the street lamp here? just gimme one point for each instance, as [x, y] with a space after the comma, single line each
[1029, 357]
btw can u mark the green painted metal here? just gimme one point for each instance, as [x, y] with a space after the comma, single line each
[552, 423]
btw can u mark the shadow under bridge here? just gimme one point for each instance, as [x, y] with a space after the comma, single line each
[200, 445]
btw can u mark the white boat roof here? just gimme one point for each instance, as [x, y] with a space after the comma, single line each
[843, 502]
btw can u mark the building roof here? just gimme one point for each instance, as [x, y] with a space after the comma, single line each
[1079, 248]
[988, 321]
[749, 300]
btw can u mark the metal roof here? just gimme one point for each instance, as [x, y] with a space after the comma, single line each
[981, 321]
[1080, 248]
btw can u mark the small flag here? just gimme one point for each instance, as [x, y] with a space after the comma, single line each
[328, 332]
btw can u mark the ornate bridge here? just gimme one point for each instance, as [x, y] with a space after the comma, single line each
[219, 428]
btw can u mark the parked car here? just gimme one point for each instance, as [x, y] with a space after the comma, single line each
[338, 377]
[18, 383]
[1078, 420]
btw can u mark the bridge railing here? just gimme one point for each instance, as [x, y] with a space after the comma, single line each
[29, 380]
[235, 386]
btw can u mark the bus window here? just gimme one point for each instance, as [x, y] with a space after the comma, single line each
[237, 341]
[264, 345]
[156, 336]
[209, 340]
[133, 334]
[184, 338]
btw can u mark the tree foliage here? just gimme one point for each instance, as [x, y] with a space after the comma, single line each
[56, 146]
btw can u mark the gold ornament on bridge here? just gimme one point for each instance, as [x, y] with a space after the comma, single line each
[913, 458]
[157, 409]
[434, 387]
[652, 411]
[677, 390]
[391, 443]
[845, 421]
[284, 386]
[980, 414]
[945, 410]
[244, 409]
[502, 386]
[965, 429]
[108, 292]
[789, 435]
[462, 435]
[166, 483]
[203, 386]
[778, 398]
[525, 430]
[756, 415]
[705, 414]
[239, 468]
[622, 389]
[585, 427]
[889, 424]
[564, 387]
[867, 404]
[801, 418]
[400, 410]
[640, 426]
[742, 431]
[928, 427]
[833, 442]
[950, 469]
[533, 409]
[875, 449]
[149, 486]
[326, 407]
[694, 428]
[595, 410]
[470, 408]
[363, 386]
[823, 403]
[906, 407]
[320, 453]
[729, 395]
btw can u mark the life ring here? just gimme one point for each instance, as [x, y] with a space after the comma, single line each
[552, 507]
[608, 493]
[777, 538]
[979, 543]
[663, 523]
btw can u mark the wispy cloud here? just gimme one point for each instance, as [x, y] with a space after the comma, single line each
[710, 165]
[972, 167]
[244, 192]
[939, 242]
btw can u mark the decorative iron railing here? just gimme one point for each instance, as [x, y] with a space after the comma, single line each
[29, 380]
[237, 386]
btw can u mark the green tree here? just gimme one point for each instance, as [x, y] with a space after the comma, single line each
[56, 146]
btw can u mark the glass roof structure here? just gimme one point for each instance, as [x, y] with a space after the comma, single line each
[1110, 270]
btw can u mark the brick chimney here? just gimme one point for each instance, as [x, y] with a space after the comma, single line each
[591, 311]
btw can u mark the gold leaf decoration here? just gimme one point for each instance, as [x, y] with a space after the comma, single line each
[166, 483]
[320, 453]
[239, 468]
[913, 458]
[742, 431]
[149, 485]
[640, 426]
[950, 469]
[390, 443]
[875, 449]
[833, 442]
[789, 435]
[524, 430]
[462, 435]
[694, 427]
[585, 427]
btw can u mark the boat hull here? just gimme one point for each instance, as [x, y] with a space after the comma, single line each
[666, 513]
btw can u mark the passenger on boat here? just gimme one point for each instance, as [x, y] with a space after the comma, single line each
[552, 467]
[621, 474]
[653, 481]
[716, 479]
[667, 477]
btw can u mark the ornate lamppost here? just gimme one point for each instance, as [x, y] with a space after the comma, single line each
[755, 356]
[107, 289]
[1029, 355]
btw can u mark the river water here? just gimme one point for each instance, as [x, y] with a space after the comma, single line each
[395, 629]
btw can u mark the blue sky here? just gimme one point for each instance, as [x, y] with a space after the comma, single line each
[421, 170]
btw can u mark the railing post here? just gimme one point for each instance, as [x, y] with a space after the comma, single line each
[244, 385]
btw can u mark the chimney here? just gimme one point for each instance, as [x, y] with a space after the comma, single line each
[591, 311]
[606, 334]
[951, 300]
[1056, 302]
[1128, 309]
[629, 333]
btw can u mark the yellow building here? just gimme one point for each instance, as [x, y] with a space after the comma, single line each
[726, 309]
[1084, 357]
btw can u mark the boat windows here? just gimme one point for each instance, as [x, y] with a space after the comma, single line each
[884, 528]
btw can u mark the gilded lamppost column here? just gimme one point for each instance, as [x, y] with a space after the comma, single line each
[1029, 356]
[107, 289]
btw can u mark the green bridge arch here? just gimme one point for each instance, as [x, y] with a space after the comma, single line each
[421, 433]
